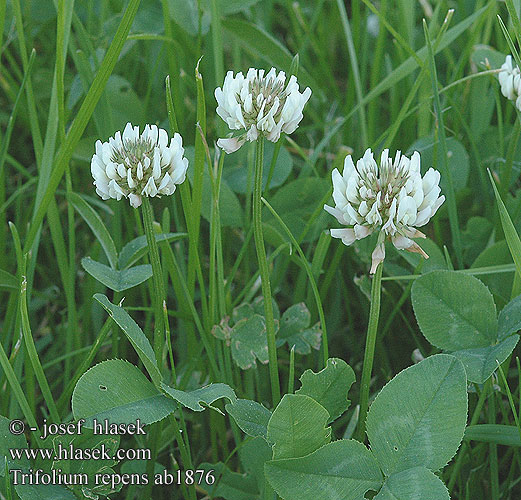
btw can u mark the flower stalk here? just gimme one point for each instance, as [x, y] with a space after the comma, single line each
[264, 271]
[372, 329]
[158, 289]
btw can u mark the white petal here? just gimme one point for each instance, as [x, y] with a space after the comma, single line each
[347, 235]
[232, 144]
[135, 200]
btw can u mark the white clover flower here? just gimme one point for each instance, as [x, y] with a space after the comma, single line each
[510, 81]
[133, 165]
[259, 104]
[392, 198]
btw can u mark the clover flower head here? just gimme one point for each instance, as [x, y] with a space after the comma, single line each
[392, 198]
[510, 81]
[259, 104]
[133, 165]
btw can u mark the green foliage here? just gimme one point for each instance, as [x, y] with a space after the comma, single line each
[247, 340]
[40, 491]
[297, 427]
[135, 335]
[247, 336]
[507, 435]
[295, 202]
[456, 313]
[7, 442]
[116, 391]
[137, 248]
[329, 387]
[118, 281]
[7, 280]
[344, 469]
[417, 483]
[457, 159]
[229, 206]
[240, 178]
[419, 417]
[250, 416]
[205, 395]
[96, 225]
[82, 443]
[454, 310]
[294, 330]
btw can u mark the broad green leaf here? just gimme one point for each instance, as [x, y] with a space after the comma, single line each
[247, 339]
[134, 334]
[206, 395]
[297, 427]
[236, 168]
[250, 416]
[254, 453]
[261, 44]
[246, 311]
[342, 470]
[138, 247]
[7, 280]
[258, 308]
[117, 391]
[114, 279]
[419, 417]
[507, 435]
[43, 492]
[229, 485]
[454, 310]
[249, 342]
[330, 386]
[509, 319]
[7, 442]
[418, 483]
[96, 225]
[457, 159]
[295, 331]
[481, 362]
[81, 443]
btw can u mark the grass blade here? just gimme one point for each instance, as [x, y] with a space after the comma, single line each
[82, 118]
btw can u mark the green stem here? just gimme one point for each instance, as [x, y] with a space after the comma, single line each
[372, 328]
[492, 447]
[264, 272]
[157, 276]
[32, 352]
